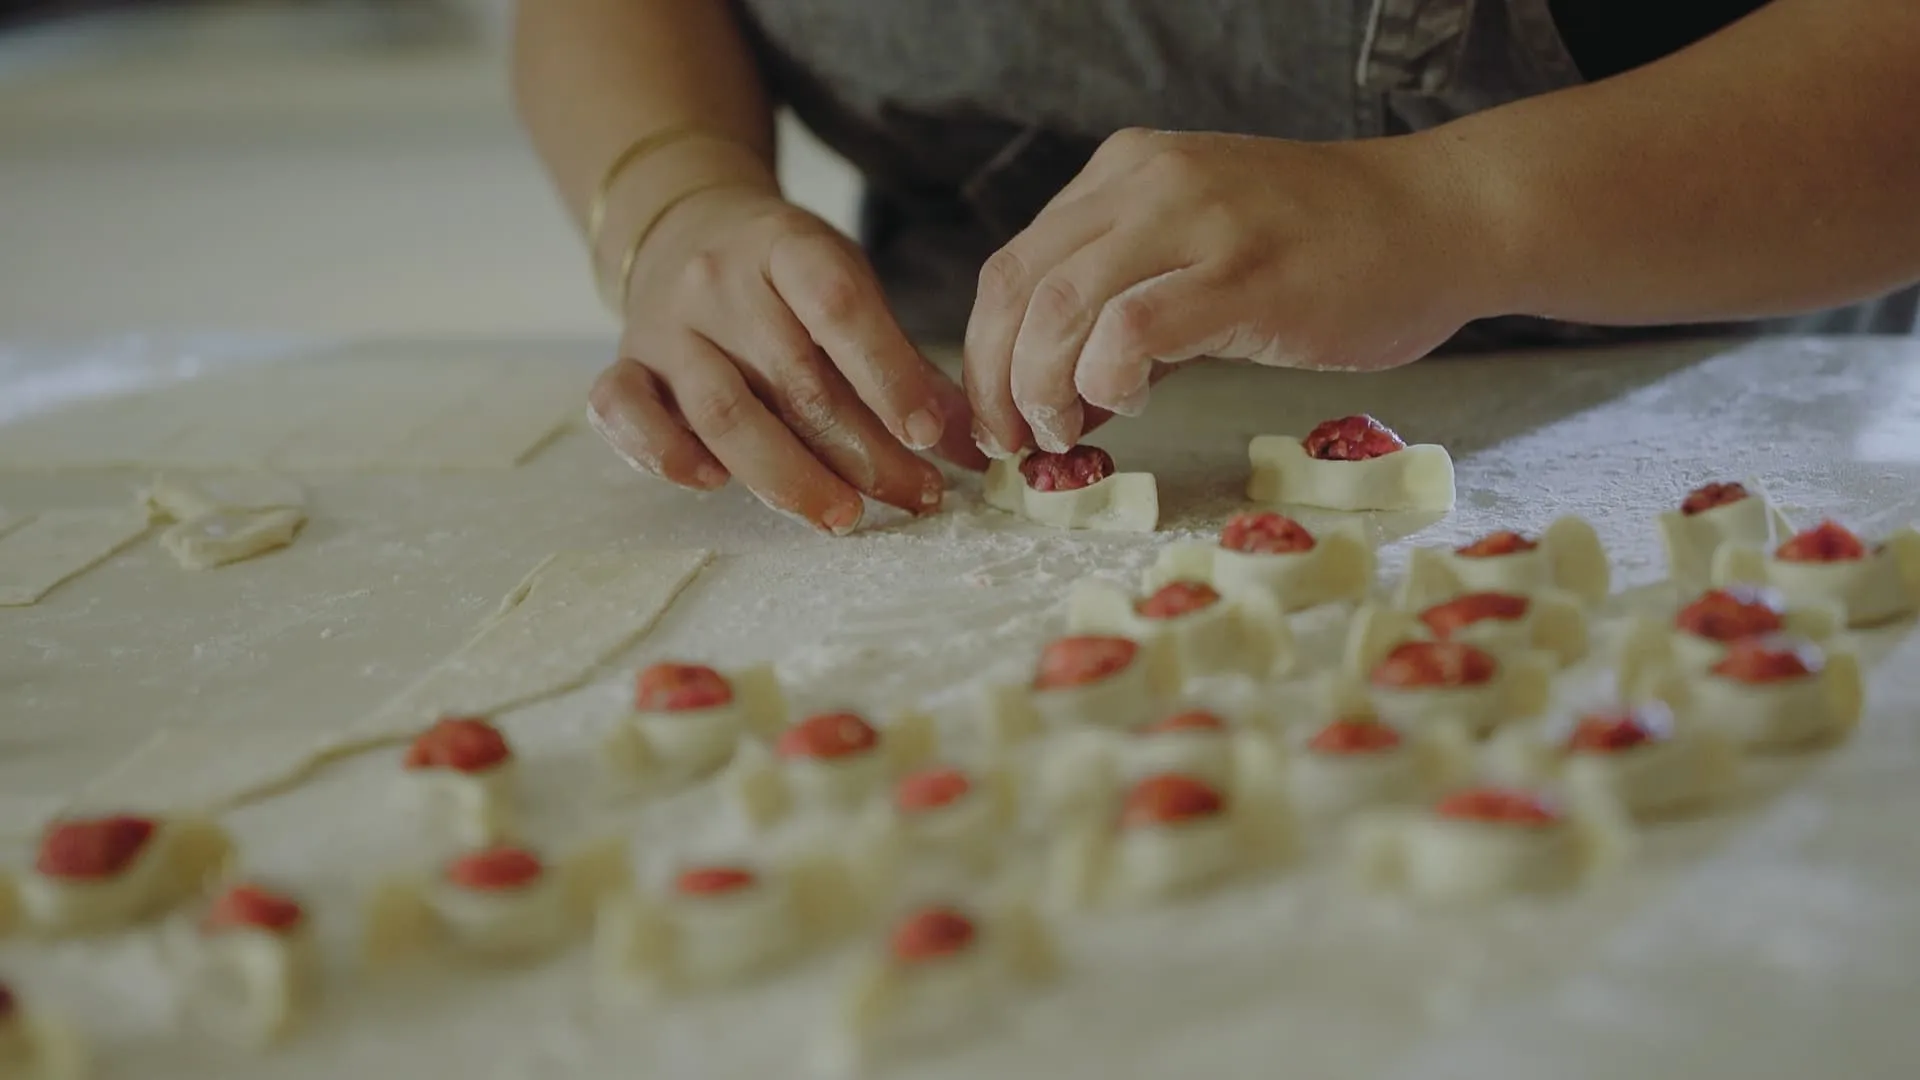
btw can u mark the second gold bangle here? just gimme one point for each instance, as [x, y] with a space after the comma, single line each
[617, 300]
[624, 160]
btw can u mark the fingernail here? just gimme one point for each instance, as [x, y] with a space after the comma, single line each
[931, 495]
[709, 476]
[1133, 404]
[988, 445]
[1054, 429]
[604, 428]
[923, 429]
[842, 520]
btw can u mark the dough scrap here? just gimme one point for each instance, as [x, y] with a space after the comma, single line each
[176, 497]
[231, 536]
[58, 545]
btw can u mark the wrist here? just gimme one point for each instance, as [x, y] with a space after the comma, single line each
[1485, 214]
[715, 201]
[638, 201]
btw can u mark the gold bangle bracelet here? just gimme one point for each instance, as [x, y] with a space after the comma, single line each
[617, 300]
[624, 160]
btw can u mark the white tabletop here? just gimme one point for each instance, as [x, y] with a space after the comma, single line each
[1777, 941]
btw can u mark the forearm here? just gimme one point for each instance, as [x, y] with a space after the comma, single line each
[1772, 169]
[592, 76]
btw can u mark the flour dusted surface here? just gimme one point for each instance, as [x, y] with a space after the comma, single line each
[1804, 895]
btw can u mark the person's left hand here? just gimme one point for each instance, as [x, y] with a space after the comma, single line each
[1168, 247]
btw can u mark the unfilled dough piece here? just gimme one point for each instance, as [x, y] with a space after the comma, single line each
[572, 613]
[575, 611]
[217, 539]
[62, 544]
[177, 497]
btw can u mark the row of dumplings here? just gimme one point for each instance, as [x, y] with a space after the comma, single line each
[1722, 533]
[1354, 463]
[1462, 659]
[247, 967]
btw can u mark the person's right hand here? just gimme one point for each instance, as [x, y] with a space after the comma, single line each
[758, 345]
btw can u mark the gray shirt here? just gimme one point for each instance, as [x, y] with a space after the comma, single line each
[965, 118]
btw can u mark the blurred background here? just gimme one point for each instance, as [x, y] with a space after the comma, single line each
[325, 166]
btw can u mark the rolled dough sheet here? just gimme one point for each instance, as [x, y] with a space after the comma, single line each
[367, 413]
[574, 612]
[61, 544]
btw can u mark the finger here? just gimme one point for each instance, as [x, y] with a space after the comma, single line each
[792, 376]
[818, 406]
[626, 408]
[1096, 417]
[1167, 319]
[957, 445]
[1059, 318]
[751, 442]
[1117, 155]
[832, 291]
[1007, 282]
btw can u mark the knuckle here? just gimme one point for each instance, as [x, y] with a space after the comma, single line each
[829, 277]
[1216, 224]
[1002, 277]
[791, 222]
[807, 402]
[836, 294]
[1129, 143]
[1057, 301]
[1136, 318]
[717, 414]
[789, 354]
[1174, 164]
[702, 273]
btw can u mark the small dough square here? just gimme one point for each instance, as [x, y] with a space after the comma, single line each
[230, 536]
[183, 498]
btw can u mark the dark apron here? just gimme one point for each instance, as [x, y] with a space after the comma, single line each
[966, 117]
